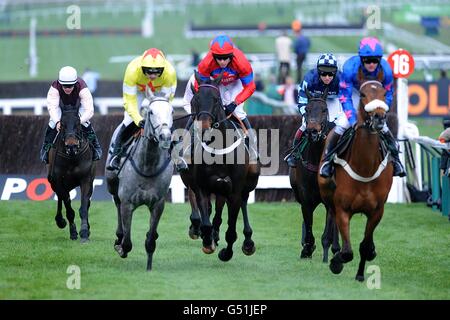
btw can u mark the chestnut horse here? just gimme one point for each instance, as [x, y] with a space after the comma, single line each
[362, 179]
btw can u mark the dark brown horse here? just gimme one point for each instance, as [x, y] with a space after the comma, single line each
[362, 179]
[228, 174]
[303, 178]
[71, 166]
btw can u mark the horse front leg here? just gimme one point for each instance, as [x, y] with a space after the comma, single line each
[203, 203]
[194, 228]
[119, 230]
[248, 247]
[60, 221]
[308, 240]
[330, 236]
[126, 213]
[367, 247]
[217, 220]
[234, 204]
[70, 214]
[152, 234]
[345, 254]
[86, 193]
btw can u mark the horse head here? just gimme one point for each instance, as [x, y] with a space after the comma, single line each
[159, 119]
[207, 103]
[316, 116]
[71, 130]
[373, 107]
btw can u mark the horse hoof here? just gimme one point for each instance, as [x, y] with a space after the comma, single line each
[371, 256]
[120, 251]
[193, 234]
[225, 255]
[73, 236]
[84, 240]
[248, 250]
[336, 266]
[61, 223]
[84, 234]
[208, 250]
[307, 252]
[359, 278]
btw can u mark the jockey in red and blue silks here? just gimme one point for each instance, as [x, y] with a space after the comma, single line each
[236, 86]
[237, 83]
[368, 64]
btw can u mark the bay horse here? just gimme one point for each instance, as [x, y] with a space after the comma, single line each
[303, 177]
[144, 176]
[362, 179]
[71, 166]
[229, 178]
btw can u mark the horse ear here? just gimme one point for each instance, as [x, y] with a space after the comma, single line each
[360, 76]
[149, 93]
[325, 93]
[197, 77]
[308, 94]
[219, 78]
[380, 76]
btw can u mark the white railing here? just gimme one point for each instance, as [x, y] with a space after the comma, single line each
[38, 104]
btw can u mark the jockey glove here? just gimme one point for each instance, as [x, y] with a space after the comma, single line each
[229, 108]
[142, 124]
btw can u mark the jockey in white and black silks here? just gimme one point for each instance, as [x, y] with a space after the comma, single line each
[370, 64]
[325, 75]
[69, 89]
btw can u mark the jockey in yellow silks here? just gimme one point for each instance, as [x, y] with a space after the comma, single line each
[153, 72]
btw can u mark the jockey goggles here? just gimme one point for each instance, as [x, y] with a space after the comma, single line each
[150, 70]
[326, 73]
[370, 60]
[222, 56]
[68, 86]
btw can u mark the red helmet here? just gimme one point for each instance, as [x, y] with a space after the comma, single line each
[221, 45]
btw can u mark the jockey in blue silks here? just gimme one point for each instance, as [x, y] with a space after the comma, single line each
[326, 74]
[370, 64]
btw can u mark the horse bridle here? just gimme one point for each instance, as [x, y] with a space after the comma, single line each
[215, 123]
[368, 121]
[322, 134]
[153, 137]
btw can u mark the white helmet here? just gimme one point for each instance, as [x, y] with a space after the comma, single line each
[67, 75]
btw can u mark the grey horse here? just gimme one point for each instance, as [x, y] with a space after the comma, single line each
[144, 176]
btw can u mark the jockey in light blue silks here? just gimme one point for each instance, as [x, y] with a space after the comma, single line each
[369, 64]
[325, 75]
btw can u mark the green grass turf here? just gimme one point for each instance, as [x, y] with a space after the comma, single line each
[411, 241]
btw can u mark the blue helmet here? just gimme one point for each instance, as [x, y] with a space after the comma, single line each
[327, 62]
[370, 47]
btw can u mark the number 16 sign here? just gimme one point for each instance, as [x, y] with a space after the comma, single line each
[402, 63]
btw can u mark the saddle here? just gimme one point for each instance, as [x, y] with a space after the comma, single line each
[346, 140]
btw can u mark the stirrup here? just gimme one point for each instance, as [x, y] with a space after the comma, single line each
[181, 165]
[113, 166]
[326, 170]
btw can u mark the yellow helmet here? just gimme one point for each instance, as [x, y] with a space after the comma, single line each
[153, 61]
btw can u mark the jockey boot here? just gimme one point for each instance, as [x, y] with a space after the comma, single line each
[93, 141]
[393, 147]
[50, 135]
[253, 144]
[180, 163]
[326, 170]
[114, 163]
[290, 159]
